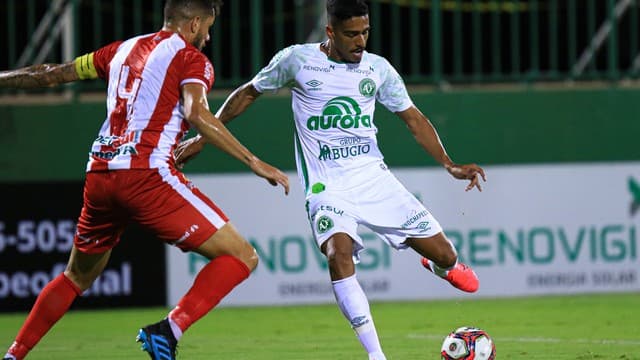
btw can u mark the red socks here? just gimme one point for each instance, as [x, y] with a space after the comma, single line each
[213, 282]
[52, 303]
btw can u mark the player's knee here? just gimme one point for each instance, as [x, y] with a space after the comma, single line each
[248, 255]
[339, 259]
[252, 260]
[81, 280]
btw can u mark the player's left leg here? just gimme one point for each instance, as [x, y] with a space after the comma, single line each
[55, 299]
[441, 258]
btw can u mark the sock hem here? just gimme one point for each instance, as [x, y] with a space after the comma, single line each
[238, 262]
[73, 285]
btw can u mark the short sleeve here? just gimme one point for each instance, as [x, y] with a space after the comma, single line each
[103, 57]
[96, 64]
[393, 93]
[196, 68]
[279, 73]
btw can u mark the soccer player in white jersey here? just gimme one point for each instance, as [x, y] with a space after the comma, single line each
[157, 90]
[335, 85]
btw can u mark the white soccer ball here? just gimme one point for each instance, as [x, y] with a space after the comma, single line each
[468, 343]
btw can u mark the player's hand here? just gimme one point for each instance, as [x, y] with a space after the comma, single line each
[270, 173]
[470, 172]
[187, 150]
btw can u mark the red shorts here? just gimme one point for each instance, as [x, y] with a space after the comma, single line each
[160, 200]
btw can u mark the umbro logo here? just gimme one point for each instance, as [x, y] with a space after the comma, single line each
[314, 83]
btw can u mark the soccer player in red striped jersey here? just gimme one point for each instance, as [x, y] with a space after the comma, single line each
[157, 90]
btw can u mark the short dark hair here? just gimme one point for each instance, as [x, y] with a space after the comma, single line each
[175, 10]
[340, 10]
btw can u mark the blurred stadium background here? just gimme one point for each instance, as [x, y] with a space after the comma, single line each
[431, 42]
[544, 93]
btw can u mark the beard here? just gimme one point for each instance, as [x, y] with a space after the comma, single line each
[199, 42]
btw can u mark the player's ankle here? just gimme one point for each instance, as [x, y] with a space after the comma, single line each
[378, 355]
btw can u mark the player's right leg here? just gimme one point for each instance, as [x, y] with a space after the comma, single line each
[232, 260]
[441, 258]
[333, 221]
[178, 213]
[349, 295]
[55, 299]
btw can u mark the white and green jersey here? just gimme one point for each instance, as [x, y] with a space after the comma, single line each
[333, 105]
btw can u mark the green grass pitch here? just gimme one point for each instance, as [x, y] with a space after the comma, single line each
[556, 327]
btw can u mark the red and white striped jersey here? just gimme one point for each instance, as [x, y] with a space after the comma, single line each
[145, 121]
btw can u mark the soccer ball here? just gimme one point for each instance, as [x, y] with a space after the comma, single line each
[468, 343]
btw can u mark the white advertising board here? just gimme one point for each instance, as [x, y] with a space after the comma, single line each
[536, 229]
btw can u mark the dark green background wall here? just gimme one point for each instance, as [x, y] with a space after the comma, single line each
[51, 142]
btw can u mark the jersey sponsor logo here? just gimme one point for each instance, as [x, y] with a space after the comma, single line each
[318, 68]
[327, 209]
[116, 141]
[332, 209]
[357, 70]
[340, 112]
[108, 155]
[415, 218]
[123, 145]
[324, 224]
[367, 87]
[348, 147]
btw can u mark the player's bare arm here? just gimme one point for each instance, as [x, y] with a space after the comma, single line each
[213, 131]
[237, 102]
[427, 136]
[39, 76]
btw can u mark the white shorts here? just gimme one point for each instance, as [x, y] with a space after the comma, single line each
[380, 203]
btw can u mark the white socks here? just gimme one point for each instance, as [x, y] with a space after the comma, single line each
[442, 272]
[355, 307]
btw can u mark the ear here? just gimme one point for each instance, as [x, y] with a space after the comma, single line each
[194, 24]
[329, 31]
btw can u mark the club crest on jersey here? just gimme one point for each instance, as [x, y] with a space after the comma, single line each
[208, 71]
[367, 87]
[324, 224]
[340, 112]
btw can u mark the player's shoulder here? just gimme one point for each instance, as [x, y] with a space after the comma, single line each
[308, 48]
[377, 60]
[191, 54]
[298, 52]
